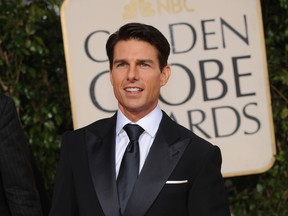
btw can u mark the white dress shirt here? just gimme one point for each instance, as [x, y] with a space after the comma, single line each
[150, 124]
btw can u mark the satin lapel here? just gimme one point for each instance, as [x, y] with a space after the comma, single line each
[164, 155]
[101, 156]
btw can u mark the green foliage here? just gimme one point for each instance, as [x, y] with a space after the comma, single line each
[32, 68]
[32, 71]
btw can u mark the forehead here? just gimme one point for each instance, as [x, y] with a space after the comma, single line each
[134, 47]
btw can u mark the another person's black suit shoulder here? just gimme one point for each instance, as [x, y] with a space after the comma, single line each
[18, 192]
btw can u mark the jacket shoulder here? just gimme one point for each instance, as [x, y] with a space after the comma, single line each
[183, 132]
[5, 103]
[99, 127]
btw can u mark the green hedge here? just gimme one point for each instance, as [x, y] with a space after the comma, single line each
[32, 71]
[32, 68]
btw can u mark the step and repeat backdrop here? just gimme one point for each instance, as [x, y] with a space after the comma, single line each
[219, 87]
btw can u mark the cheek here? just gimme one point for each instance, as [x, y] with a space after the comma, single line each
[154, 86]
[114, 80]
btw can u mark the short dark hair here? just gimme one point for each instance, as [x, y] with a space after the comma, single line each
[141, 32]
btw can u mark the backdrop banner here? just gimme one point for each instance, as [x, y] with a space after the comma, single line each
[219, 87]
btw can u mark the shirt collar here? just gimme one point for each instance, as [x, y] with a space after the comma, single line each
[149, 123]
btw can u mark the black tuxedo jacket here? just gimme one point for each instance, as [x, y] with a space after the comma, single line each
[181, 175]
[18, 192]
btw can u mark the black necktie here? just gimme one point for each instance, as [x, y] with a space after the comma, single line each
[129, 168]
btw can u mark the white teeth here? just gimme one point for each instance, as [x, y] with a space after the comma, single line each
[133, 89]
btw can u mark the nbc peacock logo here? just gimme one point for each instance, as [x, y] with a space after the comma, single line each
[143, 8]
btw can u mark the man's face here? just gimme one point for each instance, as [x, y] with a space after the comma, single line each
[136, 77]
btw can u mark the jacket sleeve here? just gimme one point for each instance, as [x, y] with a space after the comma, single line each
[64, 201]
[208, 195]
[16, 172]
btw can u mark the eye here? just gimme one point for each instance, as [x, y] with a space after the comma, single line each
[144, 64]
[121, 64]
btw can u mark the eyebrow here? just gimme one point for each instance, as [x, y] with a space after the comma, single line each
[137, 61]
[145, 60]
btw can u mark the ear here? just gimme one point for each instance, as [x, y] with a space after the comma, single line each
[165, 75]
[110, 76]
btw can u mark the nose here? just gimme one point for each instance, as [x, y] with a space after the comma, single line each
[133, 73]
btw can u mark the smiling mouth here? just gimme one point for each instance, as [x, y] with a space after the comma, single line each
[133, 89]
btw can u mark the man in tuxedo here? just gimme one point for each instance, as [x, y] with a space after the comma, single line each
[178, 173]
[18, 193]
